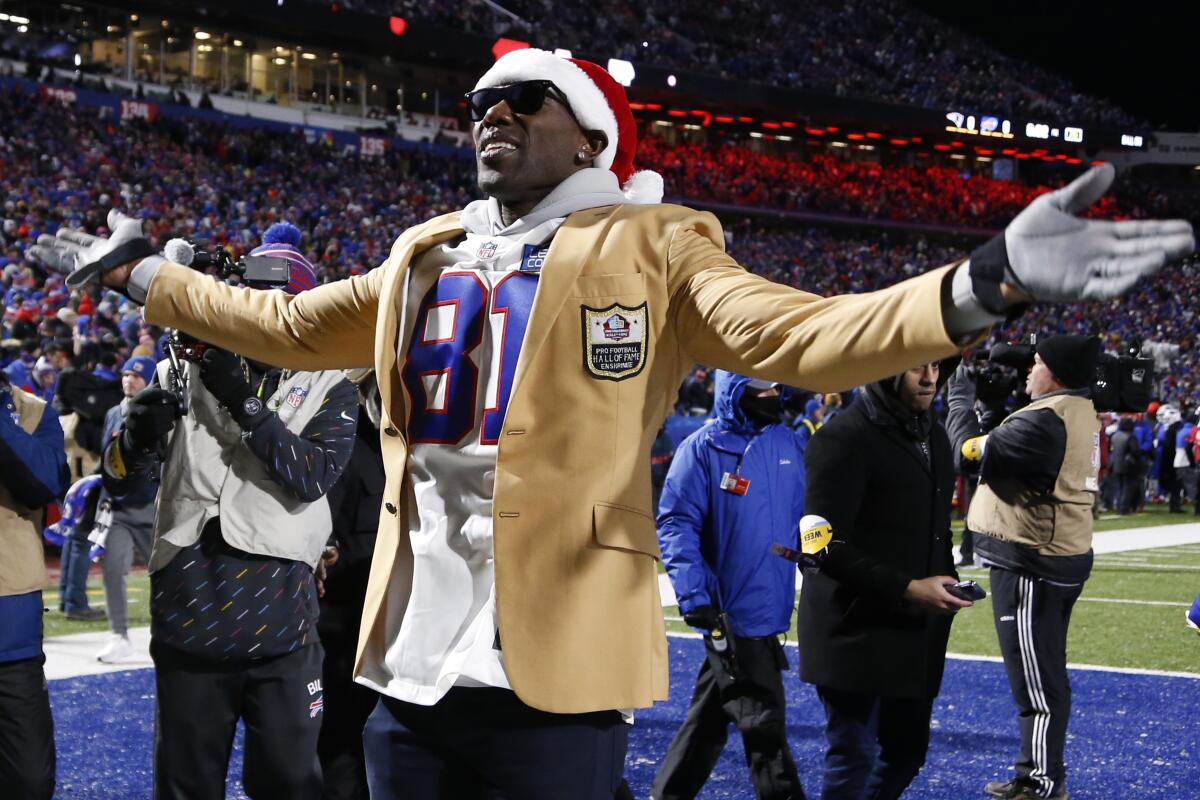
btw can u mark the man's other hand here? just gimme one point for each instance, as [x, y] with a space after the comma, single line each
[931, 595]
[705, 618]
[83, 257]
[1054, 256]
[152, 414]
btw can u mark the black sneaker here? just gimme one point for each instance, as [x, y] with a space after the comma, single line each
[1017, 789]
[87, 615]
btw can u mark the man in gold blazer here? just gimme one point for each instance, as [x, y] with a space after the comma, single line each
[528, 348]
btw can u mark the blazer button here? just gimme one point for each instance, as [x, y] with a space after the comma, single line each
[391, 509]
[391, 431]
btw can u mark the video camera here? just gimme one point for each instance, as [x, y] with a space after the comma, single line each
[1123, 383]
[993, 382]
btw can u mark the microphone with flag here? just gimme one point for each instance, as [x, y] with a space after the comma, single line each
[816, 537]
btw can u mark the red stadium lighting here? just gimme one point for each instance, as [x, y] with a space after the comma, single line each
[638, 106]
[898, 142]
[983, 151]
[745, 119]
[1074, 160]
[654, 106]
[398, 25]
[832, 129]
[874, 135]
[704, 115]
[957, 144]
[1012, 151]
[771, 125]
[676, 113]
[1061, 157]
[1023, 156]
[1099, 163]
[504, 46]
[723, 119]
[815, 131]
[858, 137]
[788, 124]
[916, 139]
[942, 147]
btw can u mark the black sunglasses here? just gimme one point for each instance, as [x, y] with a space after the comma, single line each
[525, 97]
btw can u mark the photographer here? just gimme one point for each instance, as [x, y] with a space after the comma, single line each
[1032, 513]
[241, 524]
[33, 472]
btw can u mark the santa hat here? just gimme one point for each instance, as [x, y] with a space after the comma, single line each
[282, 241]
[599, 103]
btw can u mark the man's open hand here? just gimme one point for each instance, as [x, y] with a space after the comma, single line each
[83, 257]
[1054, 256]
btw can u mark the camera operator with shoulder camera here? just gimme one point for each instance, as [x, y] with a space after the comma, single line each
[1032, 514]
[241, 525]
[33, 472]
[996, 385]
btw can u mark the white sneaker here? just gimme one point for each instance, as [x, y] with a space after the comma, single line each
[118, 649]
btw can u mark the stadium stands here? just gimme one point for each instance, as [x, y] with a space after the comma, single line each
[878, 49]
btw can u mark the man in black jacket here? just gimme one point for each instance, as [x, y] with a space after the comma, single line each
[1033, 513]
[875, 619]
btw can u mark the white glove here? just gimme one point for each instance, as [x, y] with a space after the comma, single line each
[1057, 257]
[83, 257]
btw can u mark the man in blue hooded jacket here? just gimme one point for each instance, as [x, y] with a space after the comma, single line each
[735, 487]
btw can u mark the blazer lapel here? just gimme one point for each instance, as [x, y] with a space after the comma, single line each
[570, 249]
[392, 395]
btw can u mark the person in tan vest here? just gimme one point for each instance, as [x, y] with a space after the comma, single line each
[528, 348]
[1032, 515]
[33, 473]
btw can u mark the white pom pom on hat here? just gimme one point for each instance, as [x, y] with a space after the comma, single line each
[599, 103]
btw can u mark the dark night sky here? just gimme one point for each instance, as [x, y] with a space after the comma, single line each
[1144, 54]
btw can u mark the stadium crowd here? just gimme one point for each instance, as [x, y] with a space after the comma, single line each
[226, 186]
[886, 51]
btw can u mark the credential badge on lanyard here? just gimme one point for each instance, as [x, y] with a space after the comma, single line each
[734, 484]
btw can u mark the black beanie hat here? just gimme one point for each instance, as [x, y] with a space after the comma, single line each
[1072, 359]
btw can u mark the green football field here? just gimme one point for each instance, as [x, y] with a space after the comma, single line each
[1131, 614]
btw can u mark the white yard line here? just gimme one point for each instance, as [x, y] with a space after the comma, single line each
[998, 660]
[75, 654]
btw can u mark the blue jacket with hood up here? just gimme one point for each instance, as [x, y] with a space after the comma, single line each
[716, 545]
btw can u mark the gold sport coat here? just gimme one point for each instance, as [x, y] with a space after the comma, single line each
[580, 619]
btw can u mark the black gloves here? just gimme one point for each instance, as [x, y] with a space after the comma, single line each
[224, 376]
[703, 617]
[152, 414]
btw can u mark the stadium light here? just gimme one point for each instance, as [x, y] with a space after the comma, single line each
[671, 81]
[398, 25]
[203, 35]
[622, 71]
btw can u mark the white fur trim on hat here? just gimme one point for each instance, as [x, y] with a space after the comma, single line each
[644, 187]
[585, 97]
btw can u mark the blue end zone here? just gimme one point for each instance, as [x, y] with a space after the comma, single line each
[1130, 735]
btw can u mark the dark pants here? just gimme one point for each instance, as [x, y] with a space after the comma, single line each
[1031, 622]
[485, 743]
[347, 707]
[747, 691]
[74, 564]
[875, 745]
[198, 706]
[26, 731]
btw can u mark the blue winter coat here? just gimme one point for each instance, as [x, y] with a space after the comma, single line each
[716, 545]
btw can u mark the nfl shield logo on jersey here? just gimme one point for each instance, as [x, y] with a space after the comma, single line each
[296, 396]
[614, 341]
[488, 250]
